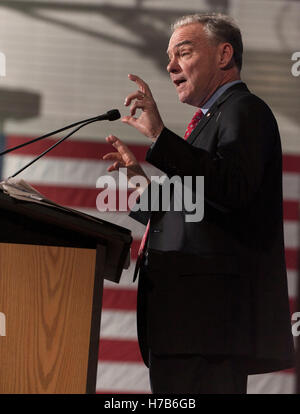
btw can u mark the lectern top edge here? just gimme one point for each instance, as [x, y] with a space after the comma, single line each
[31, 223]
[87, 224]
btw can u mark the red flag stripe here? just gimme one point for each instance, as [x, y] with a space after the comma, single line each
[80, 197]
[89, 150]
[128, 351]
[293, 305]
[286, 371]
[135, 248]
[291, 255]
[291, 210]
[291, 163]
[83, 197]
[119, 351]
[125, 300]
[119, 299]
[95, 150]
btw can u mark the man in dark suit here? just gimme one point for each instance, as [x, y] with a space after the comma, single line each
[212, 298]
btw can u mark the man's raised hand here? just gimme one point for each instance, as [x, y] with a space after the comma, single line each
[149, 123]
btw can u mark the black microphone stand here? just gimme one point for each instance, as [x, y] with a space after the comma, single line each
[54, 145]
[110, 115]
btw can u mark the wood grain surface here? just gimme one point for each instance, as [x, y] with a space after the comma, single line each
[46, 295]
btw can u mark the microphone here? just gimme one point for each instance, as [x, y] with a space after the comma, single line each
[111, 115]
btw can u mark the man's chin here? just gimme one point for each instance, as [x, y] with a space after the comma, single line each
[183, 98]
[186, 99]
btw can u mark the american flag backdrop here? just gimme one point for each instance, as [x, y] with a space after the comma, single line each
[68, 176]
[69, 60]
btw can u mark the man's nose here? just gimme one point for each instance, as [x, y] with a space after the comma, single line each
[173, 66]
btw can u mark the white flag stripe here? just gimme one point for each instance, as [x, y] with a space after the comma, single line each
[120, 376]
[292, 278]
[291, 186]
[125, 281]
[57, 171]
[118, 325]
[77, 172]
[64, 171]
[291, 234]
[274, 383]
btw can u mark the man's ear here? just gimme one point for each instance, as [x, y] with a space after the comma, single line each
[225, 55]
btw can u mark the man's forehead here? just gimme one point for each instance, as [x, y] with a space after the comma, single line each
[186, 35]
[177, 45]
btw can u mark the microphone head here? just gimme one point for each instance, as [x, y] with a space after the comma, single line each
[113, 115]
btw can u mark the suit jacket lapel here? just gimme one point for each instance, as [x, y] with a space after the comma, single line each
[206, 118]
[215, 107]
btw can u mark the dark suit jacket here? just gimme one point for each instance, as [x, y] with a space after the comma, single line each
[219, 286]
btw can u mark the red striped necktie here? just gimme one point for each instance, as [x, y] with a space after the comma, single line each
[144, 239]
[141, 251]
[192, 125]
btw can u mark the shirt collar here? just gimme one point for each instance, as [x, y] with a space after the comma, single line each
[217, 94]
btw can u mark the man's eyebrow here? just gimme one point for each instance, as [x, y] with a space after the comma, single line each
[184, 42]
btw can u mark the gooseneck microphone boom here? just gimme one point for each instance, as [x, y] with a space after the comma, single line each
[111, 115]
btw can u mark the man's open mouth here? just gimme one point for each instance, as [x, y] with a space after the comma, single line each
[178, 82]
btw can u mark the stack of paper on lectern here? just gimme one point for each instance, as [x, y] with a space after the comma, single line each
[21, 190]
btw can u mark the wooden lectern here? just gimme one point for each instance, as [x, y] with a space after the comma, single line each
[52, 265]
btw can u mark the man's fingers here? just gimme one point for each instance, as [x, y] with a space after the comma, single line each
[112, 156]
[142, 97]
[136, 95]
[125, 154]
[136, 105]
[117, 144]
[142, 84]
[111, 139]
[115, 166]
[130, 120]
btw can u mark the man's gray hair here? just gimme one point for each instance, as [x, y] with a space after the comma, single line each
[220, 28]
